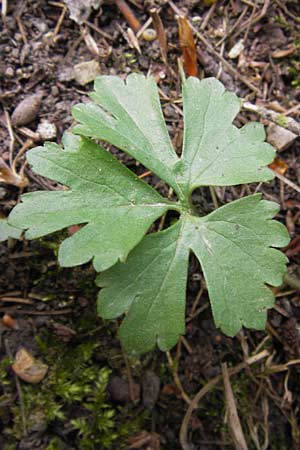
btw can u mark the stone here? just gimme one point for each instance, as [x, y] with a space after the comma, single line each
[86, 72]
[280, 137]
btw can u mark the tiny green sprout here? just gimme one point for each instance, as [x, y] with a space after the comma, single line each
[144, 275]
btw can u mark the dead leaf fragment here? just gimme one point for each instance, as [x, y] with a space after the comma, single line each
[282, 53]
[279, 166]
[145, 440]
[9, 176]
[9, 322]
[27, 109]
[80, 10]
[28, 368]
[86, 72]
[187, 45]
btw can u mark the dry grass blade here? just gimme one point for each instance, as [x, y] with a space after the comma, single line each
[187, 45]
[161, 34]
[233, 418]
[207, 388]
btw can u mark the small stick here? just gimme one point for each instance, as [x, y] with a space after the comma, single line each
[207, 388]
[16, 300]
[233, 418]
[35, 313]
[177, 381]
[11, 135]
[127, 12]
[29, 143]
[98, 30]
[290, 123]
[145, 174]
[60, 20]
[129, 375]
[286, 181]
[21, 28]
[208, 16]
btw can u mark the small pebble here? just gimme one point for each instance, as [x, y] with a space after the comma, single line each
[236, 50]
[46, 130]
[9, 72]
[149, 34]
[54, 91]
[86, 72]
[280, 137]
[27, 109]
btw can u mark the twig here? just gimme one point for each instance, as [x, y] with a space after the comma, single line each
[287, 181]
[29, 143]
[8, 299]
[207, 388]
[144, 27]
[208, 16]
[176, 378]
[287, 122]
[233, 418]
[145, 174]
[98, 30]
[234, 26]
[129, 375]
[252, 20]
[11, 135]
[127, 12]
[36, 313]
[286, 11]
[60, 20]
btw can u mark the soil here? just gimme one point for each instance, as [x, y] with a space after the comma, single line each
[52, 311]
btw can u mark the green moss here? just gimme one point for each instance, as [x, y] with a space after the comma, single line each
[72, 396]
[282, 120]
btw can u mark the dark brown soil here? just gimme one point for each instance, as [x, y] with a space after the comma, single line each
[39, 48]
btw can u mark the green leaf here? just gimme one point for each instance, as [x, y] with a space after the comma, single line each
[7, 231]
[151, 286]
[116, 206]
[145, 277]
[215, 152]
[233, 246]
[128, 115]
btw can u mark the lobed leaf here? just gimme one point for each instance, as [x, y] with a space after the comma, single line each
[7, 231]
[234, 246]
[129, 116]
[215, 152]
[116, 207]
[150, 286]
